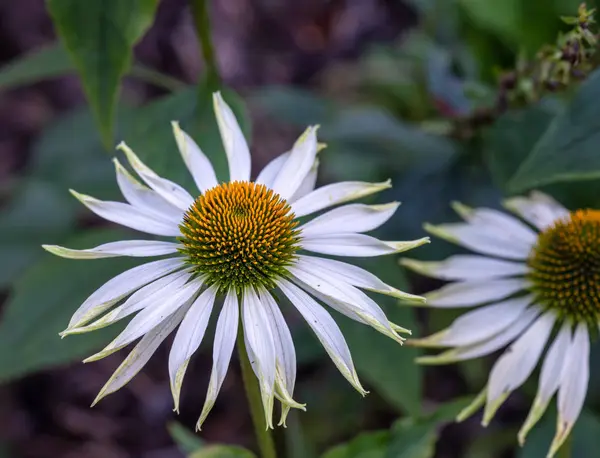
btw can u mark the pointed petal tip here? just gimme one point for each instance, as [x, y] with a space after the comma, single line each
[460, 208]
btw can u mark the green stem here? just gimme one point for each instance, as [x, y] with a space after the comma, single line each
[158, 79]
[263, 435]
[202, 22]
[565, 450]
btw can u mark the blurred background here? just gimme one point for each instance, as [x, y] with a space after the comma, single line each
[426, 92]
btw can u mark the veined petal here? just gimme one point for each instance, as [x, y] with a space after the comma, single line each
[538, 209]
[268, 174]
[308, 183]
[349, 218]
[144, 198]
[147, 319]
[139, 356]
[516, 364]
[157, 291]
[129, 216]
[196, 161]
[257, 332]
[486, 347]
[135, 248]
[225, 335]
[480, 240]
[474, 292]
[236, 148]
[297, 165]
[357, 245]
[466, 267]
[549, 379]
[188, 338]
[334, 194]
[573, 386]
[479, 325]
[326, 329]
[355, 276]
[168, 190]
[120, 286]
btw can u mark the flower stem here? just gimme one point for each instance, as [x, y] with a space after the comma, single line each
[565, 450]
[202, 22]
[263, 435]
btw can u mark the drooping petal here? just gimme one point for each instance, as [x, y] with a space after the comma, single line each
[326, 329]
[538, 209]
[139, 356]
[466, 267]
[236, 148]
[297, 165]
[167, 189]
[196, 161]
[334, 194]
[479, 325]
[148, 318]
[120, 286]
[129, 216]
[188, 338]
[349, 218]
[474, 292]
[225, 335]
[359, 245]
[573, 386]
[134, 248]
[517, 363]
[355, 276]
[549, 379]
[486, 347]
[145, 198]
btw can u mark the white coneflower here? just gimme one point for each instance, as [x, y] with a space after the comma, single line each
[536, 279]
[237, 248]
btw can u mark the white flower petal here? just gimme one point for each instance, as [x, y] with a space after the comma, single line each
[196, 161]
[479, 325]
[549, 379]
[480, 240]
[334, 194]
[298, 164]
[139, 356]
[539, 209]
[308, 184]
[144, 198]
[120, 286]
[359, 245]
[326, 329]
[573, 385]
[129, 216]
[355, 276]
[135, 248]
[261, 350]
[157, 291]
[225, 335]
[349, 218]
[236, 148]
[466, 267]
[188, 338]
[517, 363]
[148, 318]
[474, 292]
[486, 347]
[167, 189]
[268, 174]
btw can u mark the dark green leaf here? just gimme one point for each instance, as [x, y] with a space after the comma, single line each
[366, 445]
[99, 36]
[43, 63]
[185, 439]
[42, 302]
[568, 150]
[222, 451]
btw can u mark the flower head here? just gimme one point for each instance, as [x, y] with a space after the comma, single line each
[238, 248]
[536, 278]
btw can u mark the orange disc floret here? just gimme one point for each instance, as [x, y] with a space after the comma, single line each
[240, 234]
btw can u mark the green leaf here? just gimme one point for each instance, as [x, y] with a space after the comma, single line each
[185, 439]
[568, 150]
[99, 36]
[42, 302]
[222, 451]
[43, 63]
[366, 445]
